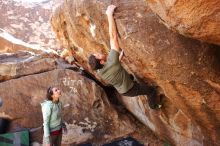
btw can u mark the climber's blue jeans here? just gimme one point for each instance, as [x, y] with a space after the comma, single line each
[144, 89]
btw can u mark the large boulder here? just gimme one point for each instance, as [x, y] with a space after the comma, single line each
[25, 63]
[18, 58]
[87, 111]
[197, 19]
[25, 75]
[185, 69]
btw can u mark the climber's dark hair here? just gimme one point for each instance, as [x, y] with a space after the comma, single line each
[49, 93]
[94, 63]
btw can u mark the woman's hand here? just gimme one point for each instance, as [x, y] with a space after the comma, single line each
[64, 130]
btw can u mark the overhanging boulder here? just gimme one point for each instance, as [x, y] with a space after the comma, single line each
[187, 70]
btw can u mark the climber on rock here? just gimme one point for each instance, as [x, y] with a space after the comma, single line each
[110, 69]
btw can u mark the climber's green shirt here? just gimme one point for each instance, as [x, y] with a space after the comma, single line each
[114, 74]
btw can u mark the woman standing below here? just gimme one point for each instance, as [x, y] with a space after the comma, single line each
[52, 118]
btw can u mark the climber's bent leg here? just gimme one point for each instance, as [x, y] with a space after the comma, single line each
[134, 91]
[144, 89]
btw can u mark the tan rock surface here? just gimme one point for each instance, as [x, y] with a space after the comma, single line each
[87, 113]
[187, 70]
[7, 46]
[28, 21]
[198, 19]
[25, 63]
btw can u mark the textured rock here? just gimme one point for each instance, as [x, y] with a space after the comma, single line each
[18, 58]
[88, 113]
[7, 46]
[29, 21]
[24, 63]
[186, 70]
[197, 19]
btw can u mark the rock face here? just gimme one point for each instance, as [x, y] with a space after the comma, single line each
[10, 47]
[24, 63]
[29, 21]
[17, 60]
[26, 71]
[197, 19]
[186, 70]
[25, 75]
[87, 113]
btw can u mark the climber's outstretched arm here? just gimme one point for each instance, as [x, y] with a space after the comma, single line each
[112, 28]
